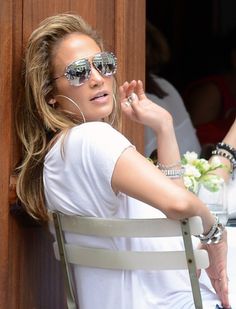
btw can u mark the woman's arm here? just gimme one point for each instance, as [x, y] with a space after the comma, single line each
[229, 139]
[146, 112]
[217, 271]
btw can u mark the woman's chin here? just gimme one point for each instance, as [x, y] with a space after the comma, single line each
[102, 114]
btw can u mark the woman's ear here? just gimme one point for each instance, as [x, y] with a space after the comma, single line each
[52, 101]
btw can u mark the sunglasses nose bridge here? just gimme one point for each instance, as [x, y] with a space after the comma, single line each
[95, 72]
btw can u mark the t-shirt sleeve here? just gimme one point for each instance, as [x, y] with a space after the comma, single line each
[93, 150]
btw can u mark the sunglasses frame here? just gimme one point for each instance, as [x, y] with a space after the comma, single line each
[87, 67]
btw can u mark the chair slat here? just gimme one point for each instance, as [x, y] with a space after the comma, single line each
[131, 260]
[159, 227]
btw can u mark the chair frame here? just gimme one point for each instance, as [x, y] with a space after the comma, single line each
[158, 227]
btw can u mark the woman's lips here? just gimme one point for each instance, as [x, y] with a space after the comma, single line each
[101, 98]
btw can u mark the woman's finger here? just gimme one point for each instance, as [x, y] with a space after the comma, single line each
[140, 90]
[123, 92]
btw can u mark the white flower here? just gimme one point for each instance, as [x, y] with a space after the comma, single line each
[198, 171]
[191, 170]
[203, 165]
[190, 157]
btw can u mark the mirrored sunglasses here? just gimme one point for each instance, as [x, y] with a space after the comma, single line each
[79, 71]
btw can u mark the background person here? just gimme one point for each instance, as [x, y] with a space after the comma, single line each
[163, 93]
[211, 100]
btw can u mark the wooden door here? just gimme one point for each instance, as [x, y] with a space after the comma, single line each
[29, 275]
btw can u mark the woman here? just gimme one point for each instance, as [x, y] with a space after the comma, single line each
[77, 163]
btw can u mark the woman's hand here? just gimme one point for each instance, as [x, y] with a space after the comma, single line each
[142, 110]
[217, 271]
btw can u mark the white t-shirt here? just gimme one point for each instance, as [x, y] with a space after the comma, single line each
[77, 180]
[184, 130]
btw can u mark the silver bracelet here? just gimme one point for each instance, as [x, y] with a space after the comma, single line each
[169, 166]
[215, 234]
[173, 173]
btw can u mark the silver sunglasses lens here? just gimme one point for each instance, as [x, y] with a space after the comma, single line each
[78, 72]
[105, 63]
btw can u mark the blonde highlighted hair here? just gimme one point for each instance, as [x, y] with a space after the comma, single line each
[37, 122]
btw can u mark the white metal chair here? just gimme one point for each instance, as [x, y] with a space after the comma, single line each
[191, 259]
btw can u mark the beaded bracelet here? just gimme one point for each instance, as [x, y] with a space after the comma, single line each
[228, 148]
[227, 155]
[214, 236]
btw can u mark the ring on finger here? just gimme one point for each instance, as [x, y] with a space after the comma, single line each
[131, 98]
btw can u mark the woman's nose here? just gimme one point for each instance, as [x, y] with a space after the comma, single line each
[95, 78]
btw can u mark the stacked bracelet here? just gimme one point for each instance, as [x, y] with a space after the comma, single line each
[173, 171]
[215, 234]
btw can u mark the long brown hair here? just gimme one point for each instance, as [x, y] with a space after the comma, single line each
[37, 121]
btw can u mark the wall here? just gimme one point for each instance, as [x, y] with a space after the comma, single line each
[29, 275]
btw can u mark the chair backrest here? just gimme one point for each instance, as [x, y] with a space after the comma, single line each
[188, 258]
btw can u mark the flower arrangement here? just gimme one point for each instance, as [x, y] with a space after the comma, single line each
[199, 172]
